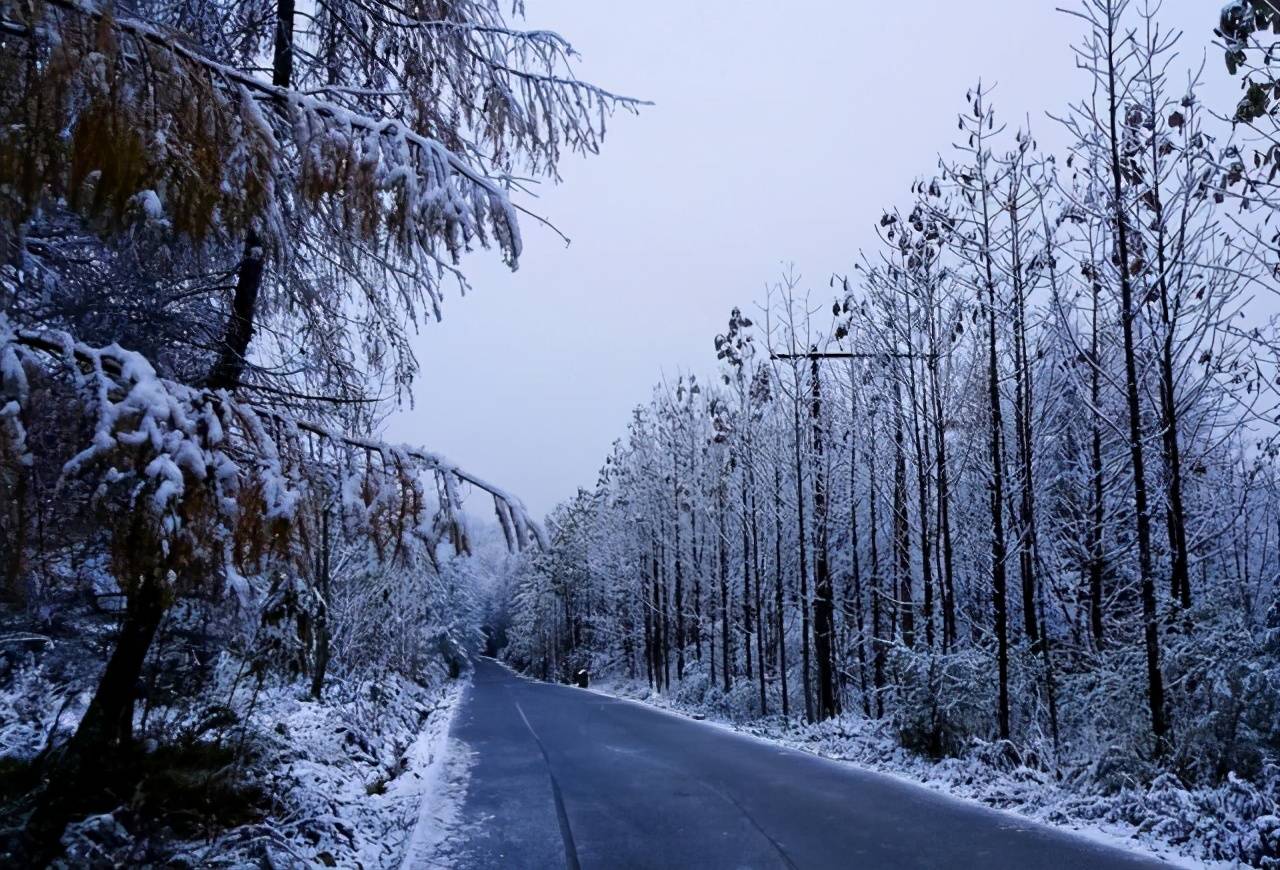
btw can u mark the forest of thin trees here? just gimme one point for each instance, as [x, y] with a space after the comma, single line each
[1011, 478]
[221, 225]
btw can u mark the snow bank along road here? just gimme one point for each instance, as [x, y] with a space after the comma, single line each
[568, 778]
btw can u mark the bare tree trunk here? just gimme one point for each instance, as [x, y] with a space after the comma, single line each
[659, 642]
[1175, 511]
[93, 757]
[779, 611]
[919, 437]
[824, 596]
[758, 570]
[322, 617]
[901, 523]
[1022, 411]
[681, 638]
[1155, 680]
[108, 723]
[233, 352]
[1097, 505]
[696, 553]
[856, 612]
[726, 649]
[878, 641]
[999, 550]
[748, 622]
[664, 610]
[14, 539]
[944, 505]
[649, 645]
[806, 664]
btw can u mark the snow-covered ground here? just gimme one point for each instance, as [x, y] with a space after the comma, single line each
[368, 787]
[366, 778]
[1187, 828]
[440, 787]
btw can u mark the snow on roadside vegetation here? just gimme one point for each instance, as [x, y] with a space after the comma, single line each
[446, 767]
[352, 778]
[342, 783]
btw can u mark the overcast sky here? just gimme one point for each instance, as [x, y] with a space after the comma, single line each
[778, 134]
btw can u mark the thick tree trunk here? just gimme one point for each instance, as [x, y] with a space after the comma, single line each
[282, 56]
[233, 352]
[1175, 512]
[14, 491]
[107, 725]
[92, 759]
[13, 547]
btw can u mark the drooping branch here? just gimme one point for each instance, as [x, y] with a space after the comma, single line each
[177, 419]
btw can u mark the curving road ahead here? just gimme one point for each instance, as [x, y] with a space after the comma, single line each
[567, 778]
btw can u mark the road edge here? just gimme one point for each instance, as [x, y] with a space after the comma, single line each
[439, 782]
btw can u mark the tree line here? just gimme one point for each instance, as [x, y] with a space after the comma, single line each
[1013, 478]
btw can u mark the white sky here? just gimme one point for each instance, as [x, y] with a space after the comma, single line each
[780, 131]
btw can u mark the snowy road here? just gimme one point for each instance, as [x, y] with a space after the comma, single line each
[568, 778]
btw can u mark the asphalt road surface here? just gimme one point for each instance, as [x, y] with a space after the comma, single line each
[563, 777]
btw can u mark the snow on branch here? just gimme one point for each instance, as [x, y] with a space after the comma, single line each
[268, 149]
[203, 462]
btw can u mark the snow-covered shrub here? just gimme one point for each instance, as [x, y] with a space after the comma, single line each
[697, 690]
[741, 703]
[1225, 697]
[1234, 821]
[30, 704]
[1103, 711]
[941, 701]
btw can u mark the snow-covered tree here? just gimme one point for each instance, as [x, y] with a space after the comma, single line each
[220, 226]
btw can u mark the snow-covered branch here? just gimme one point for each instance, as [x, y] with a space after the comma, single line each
[195, 437]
